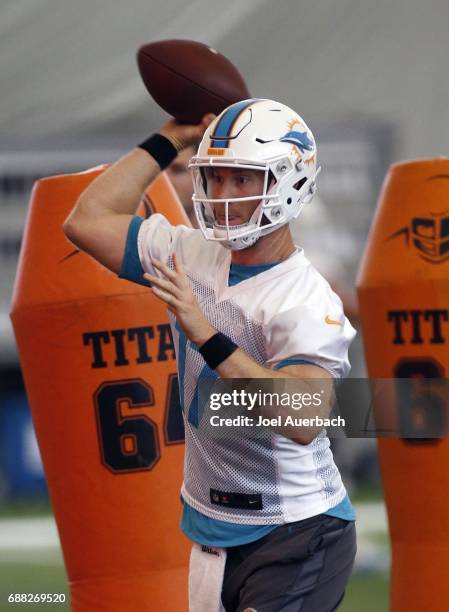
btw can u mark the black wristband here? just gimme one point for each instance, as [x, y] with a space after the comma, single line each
[217, 349]
[160, 148]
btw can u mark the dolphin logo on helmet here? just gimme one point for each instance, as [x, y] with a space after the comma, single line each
[299, 139]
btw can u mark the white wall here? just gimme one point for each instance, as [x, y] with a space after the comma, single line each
[69, 67]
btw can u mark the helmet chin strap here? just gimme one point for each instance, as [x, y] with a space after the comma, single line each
[237, 244]
[243, 242]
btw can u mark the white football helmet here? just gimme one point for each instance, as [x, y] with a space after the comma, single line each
[258, 135]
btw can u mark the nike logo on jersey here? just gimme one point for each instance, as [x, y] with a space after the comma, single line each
[330, 321]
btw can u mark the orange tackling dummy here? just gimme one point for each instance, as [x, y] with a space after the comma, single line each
[403, 289]
[100, 373]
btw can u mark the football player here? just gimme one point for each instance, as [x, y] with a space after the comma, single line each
[271, 521]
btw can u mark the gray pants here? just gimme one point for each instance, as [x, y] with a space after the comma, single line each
[298, 567]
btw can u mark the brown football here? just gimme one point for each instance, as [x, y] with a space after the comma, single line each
[189, 79]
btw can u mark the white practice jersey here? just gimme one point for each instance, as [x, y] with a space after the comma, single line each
[277, 315]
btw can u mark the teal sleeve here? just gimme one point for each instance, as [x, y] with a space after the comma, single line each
[132, 269]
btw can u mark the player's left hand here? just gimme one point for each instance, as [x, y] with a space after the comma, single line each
[174, 289]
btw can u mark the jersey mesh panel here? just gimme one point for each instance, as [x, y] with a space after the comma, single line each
[233, 465]
[326, 471]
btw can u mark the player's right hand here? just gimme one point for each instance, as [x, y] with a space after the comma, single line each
[184, 134]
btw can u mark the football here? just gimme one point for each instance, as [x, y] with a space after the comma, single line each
[189, 79]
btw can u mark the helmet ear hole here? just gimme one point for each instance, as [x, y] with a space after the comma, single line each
[264, 220]
[299, 184]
